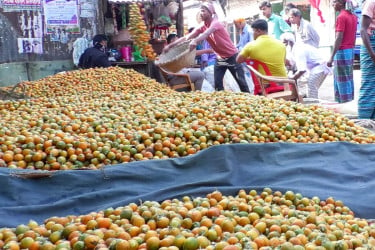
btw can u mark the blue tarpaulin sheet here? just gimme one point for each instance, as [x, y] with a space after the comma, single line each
[343, 171]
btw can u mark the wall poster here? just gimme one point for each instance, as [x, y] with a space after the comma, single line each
[31, 27]
[61, 18]
[30, 45]
[18, 5]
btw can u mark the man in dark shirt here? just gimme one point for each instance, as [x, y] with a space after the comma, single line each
[96, 56]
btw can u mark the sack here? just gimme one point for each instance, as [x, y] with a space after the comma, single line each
[207, 87]
[230, 84]
[172, 9]
[160, 13]
[249, 80]
[209, 75]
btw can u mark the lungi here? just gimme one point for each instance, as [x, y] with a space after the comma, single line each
[366, 102]
[343, 75]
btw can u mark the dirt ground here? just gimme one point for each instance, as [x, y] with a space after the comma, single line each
[326, 95]
[349, 109]
[326, 90]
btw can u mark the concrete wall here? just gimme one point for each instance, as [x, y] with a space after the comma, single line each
[12, 73]
[29, 52]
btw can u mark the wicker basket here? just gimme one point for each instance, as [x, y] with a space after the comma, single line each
[177, 58]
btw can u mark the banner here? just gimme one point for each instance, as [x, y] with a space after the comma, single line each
[18, 5]
[61, 16]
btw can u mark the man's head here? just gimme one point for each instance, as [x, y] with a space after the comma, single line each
[100, 40]
[288, 7]
[240, 23]
[207, 11]
[266, 8]
[338, 4]
[171, 38]
[295, 16]
[260, 27]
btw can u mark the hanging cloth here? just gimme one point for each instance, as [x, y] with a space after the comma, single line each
[315, 4]
[161, 15]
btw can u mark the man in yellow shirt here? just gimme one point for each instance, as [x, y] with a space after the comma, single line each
[266, 49]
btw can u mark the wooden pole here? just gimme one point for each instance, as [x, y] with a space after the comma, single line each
[180, 19]
[113, 7]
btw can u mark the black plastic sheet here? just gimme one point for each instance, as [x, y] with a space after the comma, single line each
[344, 171]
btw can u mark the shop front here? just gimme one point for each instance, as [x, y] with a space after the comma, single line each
[138, 31]
[40, 38]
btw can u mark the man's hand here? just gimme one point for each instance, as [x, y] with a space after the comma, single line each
[287, 62]
[329, 63]
[193, 44]
[166, 48]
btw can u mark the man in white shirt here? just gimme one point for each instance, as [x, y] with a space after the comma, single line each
[303, 29]
[307, 59]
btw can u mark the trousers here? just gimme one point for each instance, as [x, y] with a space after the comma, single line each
[236, 69]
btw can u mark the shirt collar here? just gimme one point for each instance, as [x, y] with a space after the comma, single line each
[272, 17]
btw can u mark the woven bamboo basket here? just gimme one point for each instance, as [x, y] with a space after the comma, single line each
[177, 58]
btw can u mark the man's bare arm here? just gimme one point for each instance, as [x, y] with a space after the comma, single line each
[198, 38]
[240, 58]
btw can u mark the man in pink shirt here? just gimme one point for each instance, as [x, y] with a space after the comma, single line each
[218, 37]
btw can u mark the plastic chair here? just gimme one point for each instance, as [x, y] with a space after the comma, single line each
[272, 86]
[289, 91]
[169, 76]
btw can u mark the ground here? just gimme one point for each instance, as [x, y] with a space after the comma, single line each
[349, 109]
[326, 95]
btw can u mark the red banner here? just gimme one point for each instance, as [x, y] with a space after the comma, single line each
[315, 4]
